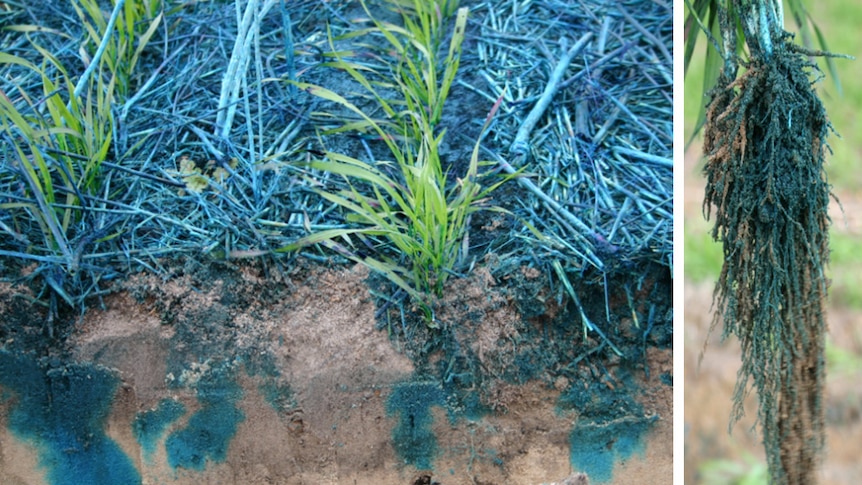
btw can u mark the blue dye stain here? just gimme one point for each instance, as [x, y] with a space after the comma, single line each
[209, 431]
[149, 426]
[62, 409]
[595, 447]
[279, 396]
[610, 426]
[473, 408]
[412, 438]
[666, 379]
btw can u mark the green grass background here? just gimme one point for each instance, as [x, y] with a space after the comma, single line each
[839, 21]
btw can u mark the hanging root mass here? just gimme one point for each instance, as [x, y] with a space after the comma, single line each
[765, 147]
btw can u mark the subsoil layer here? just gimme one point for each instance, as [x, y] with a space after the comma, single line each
[258, 376]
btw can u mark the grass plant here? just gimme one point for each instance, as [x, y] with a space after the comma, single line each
[137, 21]
[59, 128]
[420, 76]
[702, 15]
[415, 207]
[77, 131]
[56, 143]
[58, 151]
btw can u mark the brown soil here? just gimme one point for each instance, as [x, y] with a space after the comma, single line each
[709, 387]
[317, 328]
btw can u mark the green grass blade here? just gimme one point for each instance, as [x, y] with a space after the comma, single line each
[830, 62]
[144, 39]
[692, 29]
[317, 237]
[712, 69]
[324, 93]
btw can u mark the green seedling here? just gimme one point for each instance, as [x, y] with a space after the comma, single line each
[418, 212]
[59, 150]
[420, 75]
[62, 138]
[57, 140]
[412, 205]
[135, 26]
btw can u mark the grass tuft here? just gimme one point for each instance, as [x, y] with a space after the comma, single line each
[413, 205]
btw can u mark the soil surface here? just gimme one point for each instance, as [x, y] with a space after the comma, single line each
[712, 455]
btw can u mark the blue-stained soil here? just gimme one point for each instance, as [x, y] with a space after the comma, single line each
[540, 348]
[61, 410]
[595, 447]
[611, 426]
[207, 334]
[209, 431]
[149, 426]
[413, 439]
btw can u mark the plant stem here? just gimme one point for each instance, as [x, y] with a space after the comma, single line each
[79, 88]
[520, 147]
